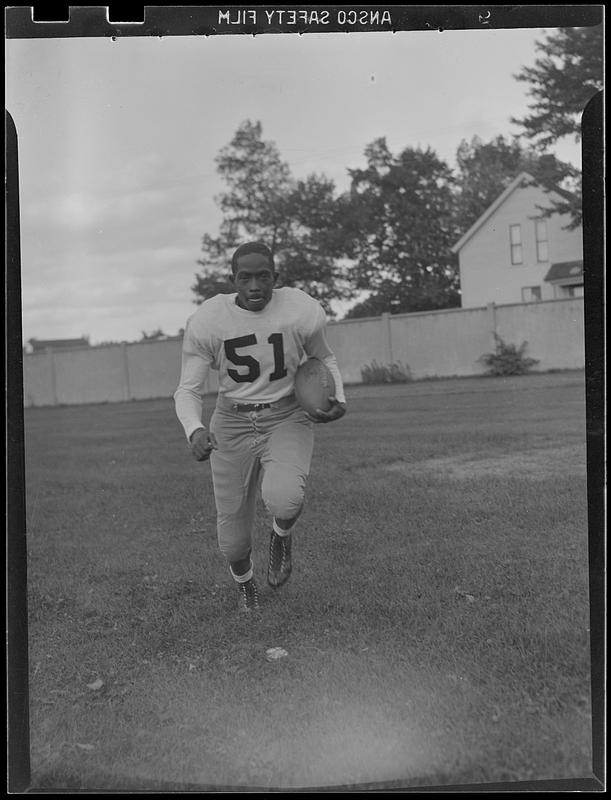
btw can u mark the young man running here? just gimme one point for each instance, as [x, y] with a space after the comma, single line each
[256, 339]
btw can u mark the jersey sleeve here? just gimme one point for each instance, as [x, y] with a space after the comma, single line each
[196, 362]
[316, 345]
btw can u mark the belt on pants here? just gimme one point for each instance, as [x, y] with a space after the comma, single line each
[284, 401]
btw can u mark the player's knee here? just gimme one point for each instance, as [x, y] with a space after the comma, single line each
[283, 499]
[234, 544]
[234, 552]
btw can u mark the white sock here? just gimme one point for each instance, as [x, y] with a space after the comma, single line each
[242, 578]
[280, 531]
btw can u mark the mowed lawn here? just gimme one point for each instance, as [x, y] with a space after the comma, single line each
[436, 624]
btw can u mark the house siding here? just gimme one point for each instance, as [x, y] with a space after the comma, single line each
[486, 272]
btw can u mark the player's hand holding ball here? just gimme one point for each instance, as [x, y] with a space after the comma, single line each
[315, 392]
[336, 411]
[202, 444]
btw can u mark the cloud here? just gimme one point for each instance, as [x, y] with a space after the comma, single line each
[109, 322]
[115, 208]
[78, 235]
[111, 266]
[110, 294]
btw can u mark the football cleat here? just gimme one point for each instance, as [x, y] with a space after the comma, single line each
[249, 596]
[280, 566]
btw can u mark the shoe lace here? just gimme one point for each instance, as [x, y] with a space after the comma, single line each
[286, 551]
[250, 594]
[273, 552]
[280, 551]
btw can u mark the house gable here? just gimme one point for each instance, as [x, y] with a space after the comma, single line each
[506, 254]
[522, 179]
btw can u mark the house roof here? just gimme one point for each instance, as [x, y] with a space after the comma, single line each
[518, 181]
[565, 271]
[41, 344]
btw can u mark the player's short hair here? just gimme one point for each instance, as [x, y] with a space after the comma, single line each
[251, 247]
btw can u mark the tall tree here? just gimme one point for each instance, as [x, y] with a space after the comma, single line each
[297, 219]
[401, 228]
[562, 81]
[257, 181]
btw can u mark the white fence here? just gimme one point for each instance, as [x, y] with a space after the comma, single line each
[431, 344]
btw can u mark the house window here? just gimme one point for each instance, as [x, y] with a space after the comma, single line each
[572, 291]
[541, 239]
[531, 293]
[515, 241]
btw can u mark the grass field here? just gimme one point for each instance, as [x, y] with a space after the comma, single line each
[436, 623]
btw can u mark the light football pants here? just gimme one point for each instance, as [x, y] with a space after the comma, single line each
[273, 445]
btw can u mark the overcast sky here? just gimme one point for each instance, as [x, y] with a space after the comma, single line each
[117, 141]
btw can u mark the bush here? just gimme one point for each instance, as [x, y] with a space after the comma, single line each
[380, 373]
[507, 359]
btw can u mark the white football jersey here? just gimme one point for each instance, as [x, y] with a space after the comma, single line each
[256, 353]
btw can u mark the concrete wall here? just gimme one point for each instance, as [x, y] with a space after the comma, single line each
[442, 342]
[89, 375]
[38, 380]
[359, 342]
[556, 339]
[486, 272]
[431, 344]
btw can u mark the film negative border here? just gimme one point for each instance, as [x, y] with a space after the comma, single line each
[96, 21]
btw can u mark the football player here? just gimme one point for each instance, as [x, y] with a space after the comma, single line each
[256, 338]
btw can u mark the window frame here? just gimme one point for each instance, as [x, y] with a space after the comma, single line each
[540, 242]
[531, 289]
[572, 290]
[516, 249]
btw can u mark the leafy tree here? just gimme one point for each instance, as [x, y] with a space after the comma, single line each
[313, 247]
[210, 282]
[401, 227]
[297, 219]
[485, 169]
[153, 335]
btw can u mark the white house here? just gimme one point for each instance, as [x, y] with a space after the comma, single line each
[514, 254]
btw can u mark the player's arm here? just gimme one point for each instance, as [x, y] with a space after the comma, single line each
[317, 346]
[188, 396]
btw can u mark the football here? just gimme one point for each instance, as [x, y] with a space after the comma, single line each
[314, 385]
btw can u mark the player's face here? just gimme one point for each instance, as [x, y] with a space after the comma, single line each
[254, 281]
